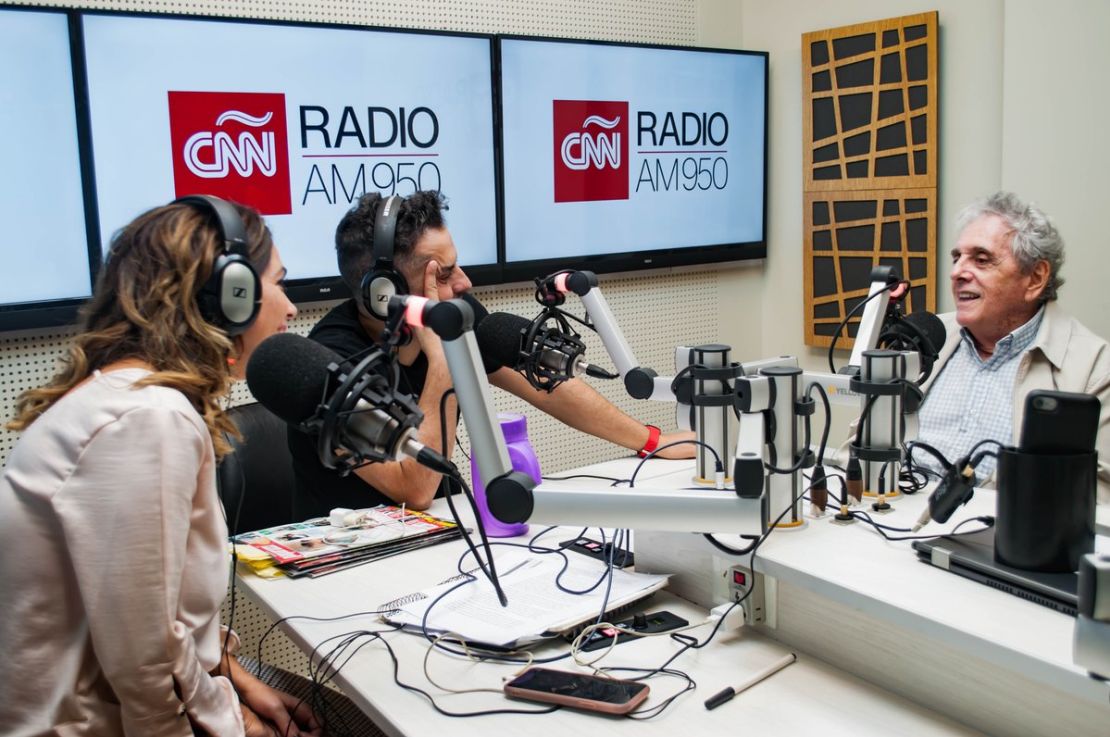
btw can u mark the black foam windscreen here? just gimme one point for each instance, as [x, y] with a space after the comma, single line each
[499, 336]
[288, 373]
[918, 331]
[930, 326]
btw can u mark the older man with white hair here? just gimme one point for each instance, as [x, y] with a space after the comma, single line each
[1009, 336]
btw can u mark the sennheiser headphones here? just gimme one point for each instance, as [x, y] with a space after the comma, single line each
[383, 280]
[232, 296]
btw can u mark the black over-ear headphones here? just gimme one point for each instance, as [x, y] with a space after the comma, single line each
[232, 296]
[383, 280]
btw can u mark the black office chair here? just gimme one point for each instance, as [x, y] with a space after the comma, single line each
[256, 481]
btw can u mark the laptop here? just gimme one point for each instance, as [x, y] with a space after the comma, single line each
[972, 556]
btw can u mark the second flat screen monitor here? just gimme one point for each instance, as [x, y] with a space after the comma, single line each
[629, 156]
[297, 121]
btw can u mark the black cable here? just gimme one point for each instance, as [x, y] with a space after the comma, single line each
[828, 419]
[913, 478]
[915, 444]
[758, 540]
[978, 458]
[225, 654]
[654, 711]
[417, 690]
[648, 456]
[803, 456]
[727, 549]
[691, 643]
[864, 416]
[484, 653]
[985, 441]
[489, 568]
[987, 520]
[851, 313]
[319, 705]
[581, 476]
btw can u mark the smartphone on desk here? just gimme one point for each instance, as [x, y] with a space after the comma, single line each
[1058, 423]
[577, 690]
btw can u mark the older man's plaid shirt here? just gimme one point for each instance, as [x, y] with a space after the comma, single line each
[973, 399]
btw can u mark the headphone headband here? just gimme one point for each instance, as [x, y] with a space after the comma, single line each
[383, 280]
[232, 231]
[385, 230]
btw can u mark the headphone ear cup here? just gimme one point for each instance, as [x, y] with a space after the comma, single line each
[232, 296]
[377, 287]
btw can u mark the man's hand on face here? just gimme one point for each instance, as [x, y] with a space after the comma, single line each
[429, 341]
[430, 282]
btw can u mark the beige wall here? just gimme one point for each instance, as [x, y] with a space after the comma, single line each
[970, 149]
[741, 287]
[1017, 112]
[1055, 111]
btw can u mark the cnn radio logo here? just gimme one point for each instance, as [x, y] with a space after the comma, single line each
[232, 145]
[591, 150]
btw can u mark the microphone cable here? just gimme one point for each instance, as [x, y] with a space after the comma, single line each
[488, 567]
[539, 338]
[852, 313]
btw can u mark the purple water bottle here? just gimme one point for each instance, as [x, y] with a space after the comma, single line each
[522, 458]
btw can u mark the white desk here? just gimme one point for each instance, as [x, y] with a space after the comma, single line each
[810, 697]
[844, 594]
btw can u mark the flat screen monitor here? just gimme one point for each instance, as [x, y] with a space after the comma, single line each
[44, 248]
[620, 157]
[295, 120]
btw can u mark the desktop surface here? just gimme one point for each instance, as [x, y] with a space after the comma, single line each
[972, 556]
[834, 701]
[867, 604]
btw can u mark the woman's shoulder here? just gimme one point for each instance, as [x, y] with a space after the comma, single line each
[107, 411]
[108, 398]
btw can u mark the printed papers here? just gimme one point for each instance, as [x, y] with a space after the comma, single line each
[537, 608]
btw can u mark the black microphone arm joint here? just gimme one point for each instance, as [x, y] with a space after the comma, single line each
[640, 382]
[509, 497]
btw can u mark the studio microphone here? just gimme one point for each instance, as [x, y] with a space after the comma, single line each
[356, 412]
[547, 355]
[920, 331]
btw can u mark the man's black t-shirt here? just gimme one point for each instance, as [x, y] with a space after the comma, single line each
[318, 489]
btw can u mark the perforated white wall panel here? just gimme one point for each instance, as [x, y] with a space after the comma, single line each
[650, 21]
[657, 310]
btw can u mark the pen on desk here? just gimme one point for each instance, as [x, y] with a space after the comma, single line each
[518, 566]
[717, 699]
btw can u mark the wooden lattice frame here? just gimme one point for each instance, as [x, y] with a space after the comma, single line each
[869, 135]
[839, 252]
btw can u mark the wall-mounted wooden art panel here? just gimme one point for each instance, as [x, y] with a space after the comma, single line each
[849, 232]
[870, 107]
[870, 164]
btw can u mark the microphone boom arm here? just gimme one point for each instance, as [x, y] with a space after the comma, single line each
[640, 382]
[509, 492]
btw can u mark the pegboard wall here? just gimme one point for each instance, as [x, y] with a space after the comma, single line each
[28, 359]
[643, 304]
[657, 310]
[643, 21]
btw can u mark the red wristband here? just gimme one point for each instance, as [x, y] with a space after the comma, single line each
[652, 441]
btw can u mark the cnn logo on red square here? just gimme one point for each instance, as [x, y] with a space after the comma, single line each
[233, 145]
[591, 150]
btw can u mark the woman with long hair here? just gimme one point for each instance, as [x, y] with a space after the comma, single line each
[116, 559]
